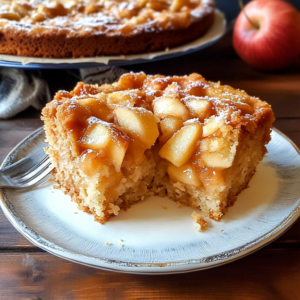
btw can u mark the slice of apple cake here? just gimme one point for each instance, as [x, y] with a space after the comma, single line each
[195, 141]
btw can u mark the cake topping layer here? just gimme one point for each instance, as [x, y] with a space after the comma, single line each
[192, 120]
[84, 17]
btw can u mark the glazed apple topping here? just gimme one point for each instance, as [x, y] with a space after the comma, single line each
[168, 127]
[181, 146]
[193, 132]
[105, 137]
[170, 106]
[138, 123]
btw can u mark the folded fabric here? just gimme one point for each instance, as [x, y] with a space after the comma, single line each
[20, 89]
[101, 75]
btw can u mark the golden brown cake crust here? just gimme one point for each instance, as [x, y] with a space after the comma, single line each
[39, 39]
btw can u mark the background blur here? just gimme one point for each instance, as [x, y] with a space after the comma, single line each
[231, 7]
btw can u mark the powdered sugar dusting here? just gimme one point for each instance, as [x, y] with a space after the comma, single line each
[70, 17]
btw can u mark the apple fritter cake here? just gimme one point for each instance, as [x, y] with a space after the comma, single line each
[82, 28]
[195, 141]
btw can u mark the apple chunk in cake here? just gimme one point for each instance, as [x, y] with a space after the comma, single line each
[195, 141]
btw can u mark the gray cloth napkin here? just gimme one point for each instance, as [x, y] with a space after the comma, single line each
[101, 75]
[20, 89]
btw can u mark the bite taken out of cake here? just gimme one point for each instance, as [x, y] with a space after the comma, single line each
[194, 141]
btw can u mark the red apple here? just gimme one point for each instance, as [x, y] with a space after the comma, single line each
[267, 34]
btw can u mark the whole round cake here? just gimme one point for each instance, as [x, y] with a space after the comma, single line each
[85, 28]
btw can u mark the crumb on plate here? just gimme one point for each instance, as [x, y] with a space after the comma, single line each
[199, 223]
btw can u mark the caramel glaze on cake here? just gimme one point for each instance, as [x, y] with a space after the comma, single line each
[82, 28]
[195, 141]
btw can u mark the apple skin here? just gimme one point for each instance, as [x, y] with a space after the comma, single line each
[274, 43]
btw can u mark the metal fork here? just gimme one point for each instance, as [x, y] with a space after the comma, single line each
[27, 172]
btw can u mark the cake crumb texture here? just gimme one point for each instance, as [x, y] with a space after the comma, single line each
[198, 221]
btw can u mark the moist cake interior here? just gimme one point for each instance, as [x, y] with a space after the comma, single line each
[194, 141]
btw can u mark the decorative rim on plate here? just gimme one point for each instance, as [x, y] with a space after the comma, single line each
[217, 30]
[182, 266]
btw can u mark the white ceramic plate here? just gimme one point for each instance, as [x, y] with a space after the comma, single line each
[158, 237]
[215, 33]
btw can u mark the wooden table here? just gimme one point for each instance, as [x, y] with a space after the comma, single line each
[27, 272]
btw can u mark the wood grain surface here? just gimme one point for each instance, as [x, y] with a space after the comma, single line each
[27, 272]
[267, 274]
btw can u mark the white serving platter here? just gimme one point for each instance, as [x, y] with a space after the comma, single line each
[157, 236]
